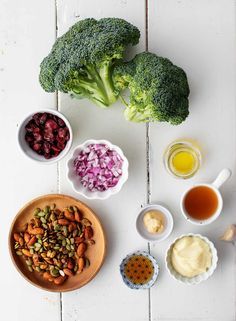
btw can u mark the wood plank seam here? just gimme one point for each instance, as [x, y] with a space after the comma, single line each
[148, 191]
[58, 167]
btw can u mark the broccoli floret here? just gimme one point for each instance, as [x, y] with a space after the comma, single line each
[158, 89]
[81, 61]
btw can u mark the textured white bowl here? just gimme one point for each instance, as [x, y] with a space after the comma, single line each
[168, 223]
[196, 279]
[75, 180]
[25, 148]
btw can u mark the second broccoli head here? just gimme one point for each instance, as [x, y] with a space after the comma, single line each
[158, 89]
[81, 61]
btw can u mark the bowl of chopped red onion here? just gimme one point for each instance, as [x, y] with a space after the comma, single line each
[97, 169]
[45, 136]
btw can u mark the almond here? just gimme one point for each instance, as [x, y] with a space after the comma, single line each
[70, 216]
[88, 232]
[59, 280]
[81, 264]
[63, 221]
[81, 249]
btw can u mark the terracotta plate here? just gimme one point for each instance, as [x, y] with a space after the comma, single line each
[95, 253]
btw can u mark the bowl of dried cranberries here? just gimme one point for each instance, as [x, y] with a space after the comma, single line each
[45, 136]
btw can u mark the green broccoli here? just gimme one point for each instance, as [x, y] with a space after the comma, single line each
[158, 89]
[81, 61]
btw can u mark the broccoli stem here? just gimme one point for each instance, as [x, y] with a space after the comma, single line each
[96, 86]
[132, 114]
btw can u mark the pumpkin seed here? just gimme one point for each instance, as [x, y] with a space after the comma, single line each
[38, 269]
[46, 209]
[87, 263]
[29, 262]
[54, 272]
[36, 211]
[65, 230]
[30, 269]
[53, 206]
[45, 226]
[41, 214]
[18, 252]
[31, 251]
[43, 220]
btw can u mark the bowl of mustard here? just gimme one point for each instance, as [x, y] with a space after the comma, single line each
[154, 223]
[191, 259]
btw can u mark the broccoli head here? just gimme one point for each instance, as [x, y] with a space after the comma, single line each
[158, 89]
[82, 60]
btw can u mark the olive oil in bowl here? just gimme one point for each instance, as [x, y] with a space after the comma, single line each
[182, 159]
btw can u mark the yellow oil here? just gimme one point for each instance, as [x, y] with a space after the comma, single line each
[183, 162]
[182, 159]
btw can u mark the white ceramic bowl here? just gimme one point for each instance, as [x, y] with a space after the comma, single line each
[168, 223]
[196, 279]
[75, 180]
[25, 148]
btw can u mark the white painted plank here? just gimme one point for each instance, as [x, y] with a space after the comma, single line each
[27, 31]
[200, 37]
[106, 297]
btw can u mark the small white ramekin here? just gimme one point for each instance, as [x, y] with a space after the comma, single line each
[196, 279]
[74, 179]
[25, 148]
[168, 223]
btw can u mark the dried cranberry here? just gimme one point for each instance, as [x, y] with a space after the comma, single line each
[51, 124]
[48, 135]
[46, 147]
[29, 138]
[62, 132]
[30, 126]
[60, 140]
[67, 136]
[61, 122]
[47, 156]
[36, 130]
[60, 145]
[37, 137]
[37, 147]
[55, 148]
[36, 118]
[43, 118]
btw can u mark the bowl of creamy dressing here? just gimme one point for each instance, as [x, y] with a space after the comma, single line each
[191, 259]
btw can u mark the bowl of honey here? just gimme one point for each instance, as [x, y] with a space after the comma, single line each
[139, 270]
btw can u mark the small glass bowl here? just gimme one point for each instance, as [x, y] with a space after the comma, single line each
[182, 146]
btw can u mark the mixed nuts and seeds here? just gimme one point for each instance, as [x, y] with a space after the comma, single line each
[54, 242]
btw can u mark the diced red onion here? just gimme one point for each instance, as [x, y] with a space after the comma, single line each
[98, 167]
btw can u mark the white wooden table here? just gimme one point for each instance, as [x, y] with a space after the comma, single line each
[200, 37]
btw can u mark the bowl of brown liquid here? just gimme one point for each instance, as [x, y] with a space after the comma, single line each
[139, 270]
[203, 203]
